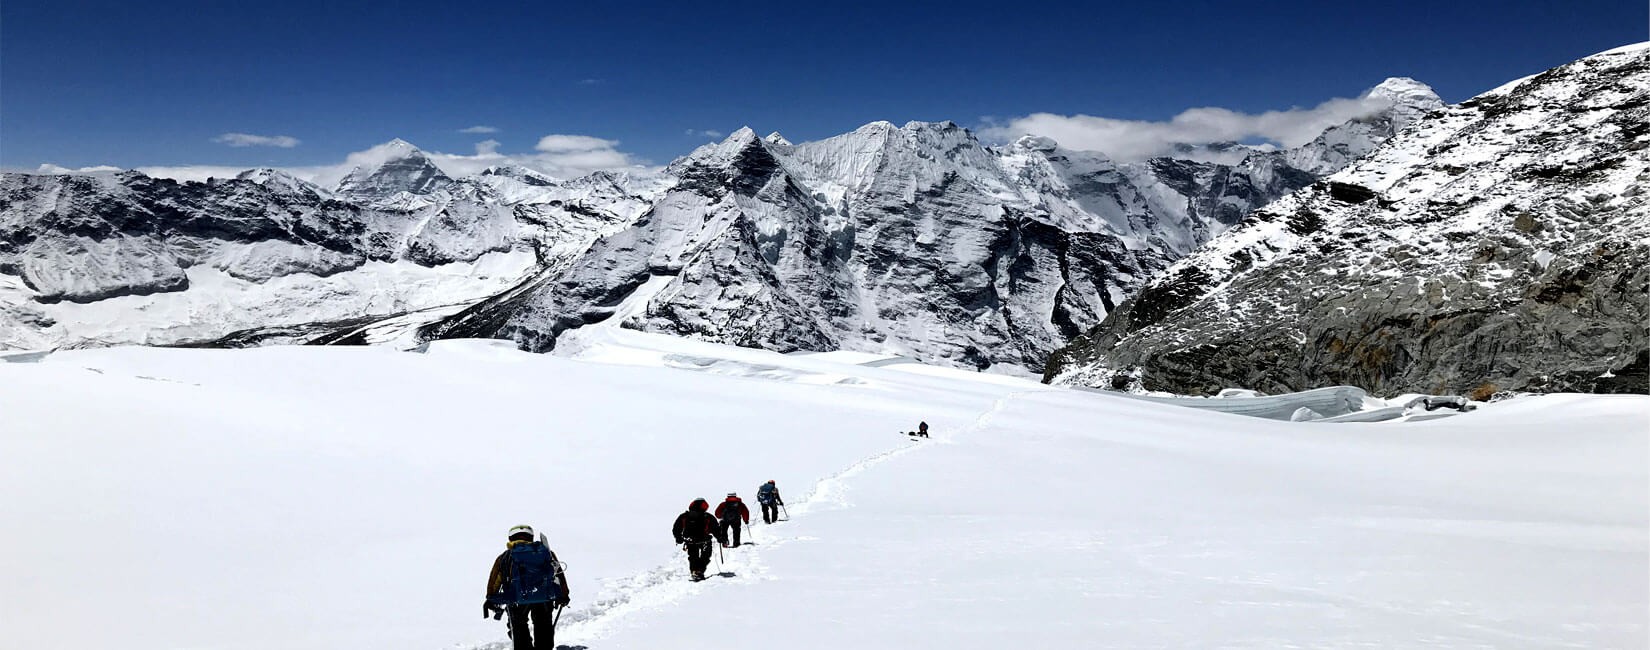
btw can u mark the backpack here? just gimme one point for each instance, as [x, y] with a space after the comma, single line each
[765, 494]
[532, 576]
[730, 510]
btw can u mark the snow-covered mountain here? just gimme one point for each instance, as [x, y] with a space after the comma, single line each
[1501, 244]
[110, 258]
[919, 240]
[916, 240]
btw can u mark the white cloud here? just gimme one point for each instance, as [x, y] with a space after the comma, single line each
[479, 129]
[1139, 139]
[555, 143]
[249, 140]
[487, 147]
[705, 133]
[48, 168]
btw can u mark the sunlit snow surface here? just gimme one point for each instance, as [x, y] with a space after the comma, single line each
[355, 497]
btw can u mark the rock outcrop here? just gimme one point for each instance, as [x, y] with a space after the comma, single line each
[917, 240]
[1502, 244]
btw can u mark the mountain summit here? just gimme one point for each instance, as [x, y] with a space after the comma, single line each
[917, 239]
[398, 166]
[1501, 244]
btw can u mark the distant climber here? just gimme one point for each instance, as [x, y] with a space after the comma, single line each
[922, 430]
[694, 531]
[731, 512]
[768, 497]
[527, 581]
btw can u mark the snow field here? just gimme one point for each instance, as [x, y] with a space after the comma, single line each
[354, 498]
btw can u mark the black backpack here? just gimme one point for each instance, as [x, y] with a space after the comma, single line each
[730, 510]
[532, 577]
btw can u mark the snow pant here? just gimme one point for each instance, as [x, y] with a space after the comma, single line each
[770, 513]
[699, 556]
[542, 627]
[733, 524]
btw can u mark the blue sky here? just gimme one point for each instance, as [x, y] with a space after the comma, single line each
[130, 84]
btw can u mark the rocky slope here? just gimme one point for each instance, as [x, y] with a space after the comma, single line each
[917, 240]
[125, 258]
[1502, 244]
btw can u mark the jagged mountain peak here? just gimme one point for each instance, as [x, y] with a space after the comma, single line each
[1498, 244]
[520, 173]
[278, 180]
[943, 125]
[1405, 90]
[1408, 99]
[742, 135]
[1036, 143]
[390, 168]
[402, 145]
[776, 138]
[724, 153]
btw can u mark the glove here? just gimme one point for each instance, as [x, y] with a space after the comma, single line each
[563, 600]
[493, 608]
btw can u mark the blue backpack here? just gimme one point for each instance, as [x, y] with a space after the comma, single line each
[765, 494]
[532, 578]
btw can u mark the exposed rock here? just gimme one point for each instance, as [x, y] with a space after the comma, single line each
[915, 240]
[1438, 264]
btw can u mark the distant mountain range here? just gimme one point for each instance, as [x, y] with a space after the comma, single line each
[918, 239]
[1495, 245]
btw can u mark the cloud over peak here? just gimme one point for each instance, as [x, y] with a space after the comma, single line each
[250, 140]
[1128, 140]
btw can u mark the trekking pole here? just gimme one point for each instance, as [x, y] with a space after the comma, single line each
[554, 621]
[785, 510]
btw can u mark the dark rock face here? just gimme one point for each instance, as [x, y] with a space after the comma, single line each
[90, 238]
[72, 240]
[919, 254]
[1500, 245]
[916, 240]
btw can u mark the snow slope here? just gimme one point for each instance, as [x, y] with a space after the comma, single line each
[289, 497]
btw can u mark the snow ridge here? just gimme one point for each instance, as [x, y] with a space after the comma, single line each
[1499, 244]
[917, 240]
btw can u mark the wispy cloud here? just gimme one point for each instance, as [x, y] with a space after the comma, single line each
[591, 82]
[250, 140]
[49, 168]
[1140, 139]
[479, 129]
[705, 133]
[557, 142]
